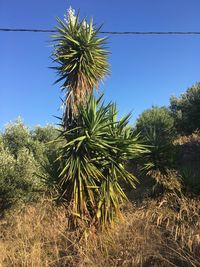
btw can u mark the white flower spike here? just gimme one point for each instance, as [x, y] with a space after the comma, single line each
[70, 16]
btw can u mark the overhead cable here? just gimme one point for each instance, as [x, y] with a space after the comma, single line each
[109, 32]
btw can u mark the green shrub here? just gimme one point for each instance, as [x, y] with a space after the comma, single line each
[186, 110]
[44, 134]
[16, 136]
[7, 168]
[18, 180]
[156, 128]
[24, 158]
[41, 146]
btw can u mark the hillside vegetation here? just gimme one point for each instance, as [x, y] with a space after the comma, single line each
[158, 226]
[97, 191]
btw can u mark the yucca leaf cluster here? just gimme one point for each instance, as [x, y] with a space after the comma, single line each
[81, 60]
[92, 161]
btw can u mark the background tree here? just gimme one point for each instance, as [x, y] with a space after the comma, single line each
[186, 110]
[156, 128]
[16, 136]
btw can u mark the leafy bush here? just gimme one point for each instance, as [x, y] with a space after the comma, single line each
[156, 128]
[186, 110]
[16, 136]
[7, 167]
[24, 157]
[18, 180]
[92, 159]
[44, 134]
[42, 147]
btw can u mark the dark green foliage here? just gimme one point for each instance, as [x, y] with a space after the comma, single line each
[42, 146]
[186, 110]
[191, 179]
[156, 128]
[44, 134]
[188, 161]
[92, 161]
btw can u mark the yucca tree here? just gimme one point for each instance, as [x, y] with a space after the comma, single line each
[81, 60]
[92, 161]
[94, 145]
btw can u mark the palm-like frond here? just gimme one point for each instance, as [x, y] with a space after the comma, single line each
[92, 161]
[82, 60]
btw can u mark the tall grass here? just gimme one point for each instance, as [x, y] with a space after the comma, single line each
[161, 232]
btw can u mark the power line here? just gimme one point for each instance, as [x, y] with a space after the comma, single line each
[111, 32]
[25, 30]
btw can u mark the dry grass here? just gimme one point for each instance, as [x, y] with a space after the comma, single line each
[184, 139]
[162, 232]
[159, 233]
[170, 180]
[37, 236]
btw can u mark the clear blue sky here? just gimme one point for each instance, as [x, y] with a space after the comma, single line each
[146, 70]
